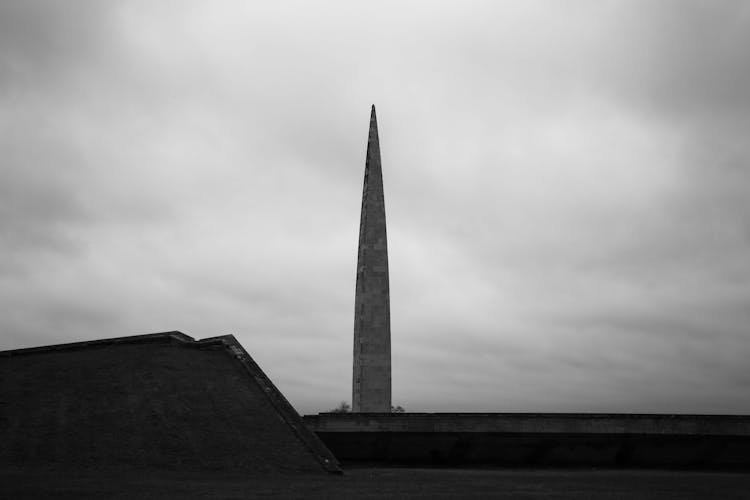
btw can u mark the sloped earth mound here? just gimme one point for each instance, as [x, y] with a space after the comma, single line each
[156, 402]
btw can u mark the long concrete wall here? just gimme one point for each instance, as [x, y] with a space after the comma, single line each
[523, 439]
[587, 423]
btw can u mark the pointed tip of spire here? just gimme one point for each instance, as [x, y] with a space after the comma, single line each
[373, 122]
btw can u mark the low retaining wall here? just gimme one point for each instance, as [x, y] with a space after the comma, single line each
[522, 439]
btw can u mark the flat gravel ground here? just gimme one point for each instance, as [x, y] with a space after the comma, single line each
[381, 483]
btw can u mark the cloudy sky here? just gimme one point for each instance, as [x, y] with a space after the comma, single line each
[567, 188]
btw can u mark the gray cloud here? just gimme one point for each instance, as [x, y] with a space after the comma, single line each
[566, 188]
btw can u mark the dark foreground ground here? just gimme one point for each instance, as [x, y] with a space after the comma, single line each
[383, 483]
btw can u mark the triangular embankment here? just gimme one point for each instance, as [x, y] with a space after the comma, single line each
[159, 401]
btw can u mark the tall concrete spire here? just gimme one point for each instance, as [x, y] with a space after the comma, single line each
[371, 387]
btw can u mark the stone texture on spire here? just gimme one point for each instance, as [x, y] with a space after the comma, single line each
[371, 387]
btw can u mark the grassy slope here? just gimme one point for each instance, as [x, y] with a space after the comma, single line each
[384, 483]
[142, 405]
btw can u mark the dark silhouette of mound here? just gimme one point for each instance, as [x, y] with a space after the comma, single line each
[158, 401]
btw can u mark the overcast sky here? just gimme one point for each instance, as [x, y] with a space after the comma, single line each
[567, 189]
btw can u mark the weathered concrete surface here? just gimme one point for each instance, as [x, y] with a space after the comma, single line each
[614, 440]
[371, 380]
[157, 401]
[556, 423]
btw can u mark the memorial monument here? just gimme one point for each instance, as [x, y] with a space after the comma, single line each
[371, 384]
